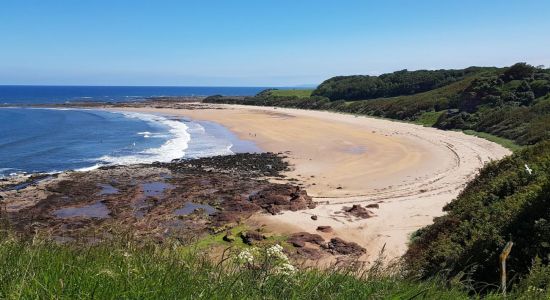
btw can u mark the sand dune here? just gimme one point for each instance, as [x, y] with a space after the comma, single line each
[409, 170]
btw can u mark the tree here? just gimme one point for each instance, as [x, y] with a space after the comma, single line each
[519, 71]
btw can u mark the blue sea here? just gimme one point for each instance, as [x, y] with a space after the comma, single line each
[30, 94]
[53, 140]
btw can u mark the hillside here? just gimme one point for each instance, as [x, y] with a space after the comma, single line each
[504, 203]
[511, 103]
[404, 82]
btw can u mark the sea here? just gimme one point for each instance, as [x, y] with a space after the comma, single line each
[51, 140]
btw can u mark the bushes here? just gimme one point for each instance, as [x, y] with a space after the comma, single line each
[363, 87]
[503, 203]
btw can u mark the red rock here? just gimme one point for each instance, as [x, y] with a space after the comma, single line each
[303, 237]
[325, 229]
[339, 246]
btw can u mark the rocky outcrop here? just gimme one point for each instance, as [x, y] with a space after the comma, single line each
[282, 197]
[358, 211]
[339, 246]
[301, 238]
[325, 229]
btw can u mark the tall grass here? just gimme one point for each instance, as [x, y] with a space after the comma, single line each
[43, 270]
[506, 143]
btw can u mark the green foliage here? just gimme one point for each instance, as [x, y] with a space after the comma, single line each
[363, 87]
[511, 145]
[526, 125]
[125, 271]
[519, 71]
[429, 118]
[291, 93]
[503, 203]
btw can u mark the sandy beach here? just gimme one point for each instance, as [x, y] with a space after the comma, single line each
[410, 171]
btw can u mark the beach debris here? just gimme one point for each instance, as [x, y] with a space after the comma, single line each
[314, 217]
[374, 205]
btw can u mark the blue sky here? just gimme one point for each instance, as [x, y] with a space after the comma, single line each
[260, 42]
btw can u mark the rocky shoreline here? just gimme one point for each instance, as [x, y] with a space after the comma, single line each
[184, 200]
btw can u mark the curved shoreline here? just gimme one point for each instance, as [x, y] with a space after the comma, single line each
[410, 171]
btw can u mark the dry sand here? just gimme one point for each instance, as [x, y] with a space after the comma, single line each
[410, 170]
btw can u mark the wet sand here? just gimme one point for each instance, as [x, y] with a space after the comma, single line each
[410, 171]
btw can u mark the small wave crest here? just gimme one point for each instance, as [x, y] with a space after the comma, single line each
[205, 143]
[173, 148]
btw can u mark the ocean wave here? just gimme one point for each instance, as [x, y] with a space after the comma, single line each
[205, 144]
[173, 148]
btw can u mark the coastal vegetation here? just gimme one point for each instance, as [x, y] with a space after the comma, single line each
[39, 269]
[290, 93]
[404, 82]
[507, 202]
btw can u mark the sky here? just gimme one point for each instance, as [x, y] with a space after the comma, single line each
[260, 42]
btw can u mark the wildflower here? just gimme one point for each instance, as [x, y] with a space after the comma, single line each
[276, 251]
[286, 269]
[245, 257]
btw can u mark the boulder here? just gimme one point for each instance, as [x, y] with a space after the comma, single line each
[228, 237]
[250, 237]
[301, 238]
[339, 246]
[358, 211]
[325, 229]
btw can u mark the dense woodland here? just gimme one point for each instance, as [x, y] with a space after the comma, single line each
[404, 82]
[505, 202]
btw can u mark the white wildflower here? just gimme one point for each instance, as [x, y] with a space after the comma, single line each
[245, 257]
[286, 269]
[276, 251]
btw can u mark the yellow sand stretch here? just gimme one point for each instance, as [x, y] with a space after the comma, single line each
[409, 170]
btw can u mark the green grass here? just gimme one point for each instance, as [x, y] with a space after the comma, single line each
[39, 270]
[511, 145]
[428, 118]
[290, 93]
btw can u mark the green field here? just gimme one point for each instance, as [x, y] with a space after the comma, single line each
[506, 143]
[290, 93]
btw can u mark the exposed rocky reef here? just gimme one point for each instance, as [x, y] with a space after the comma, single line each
[183, 199]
